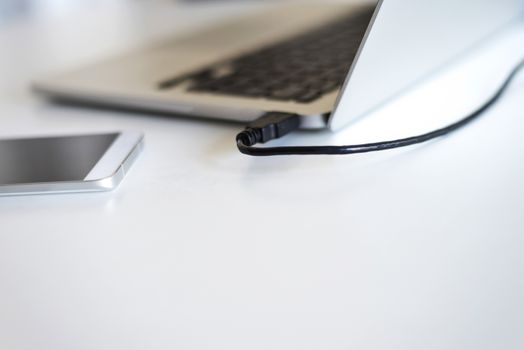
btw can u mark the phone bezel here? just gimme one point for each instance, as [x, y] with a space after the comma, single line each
[106, 175]
[114, 156]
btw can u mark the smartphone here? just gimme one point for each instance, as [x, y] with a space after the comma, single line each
[63, 164]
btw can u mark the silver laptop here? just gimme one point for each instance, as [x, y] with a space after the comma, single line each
[331, 64]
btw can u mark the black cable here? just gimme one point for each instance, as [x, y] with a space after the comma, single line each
[275, 125]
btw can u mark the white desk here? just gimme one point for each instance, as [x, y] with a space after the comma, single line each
[203, 248]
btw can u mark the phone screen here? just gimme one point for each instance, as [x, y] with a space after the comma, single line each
[51, 159]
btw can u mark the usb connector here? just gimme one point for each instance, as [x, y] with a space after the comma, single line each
[269, 127]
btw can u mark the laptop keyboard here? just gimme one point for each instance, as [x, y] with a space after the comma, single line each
[300, 69]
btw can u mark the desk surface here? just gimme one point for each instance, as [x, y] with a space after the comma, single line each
[203, 248]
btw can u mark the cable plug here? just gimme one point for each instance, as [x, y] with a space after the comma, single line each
[271, 126]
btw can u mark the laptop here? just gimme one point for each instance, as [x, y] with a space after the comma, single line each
[329, 63]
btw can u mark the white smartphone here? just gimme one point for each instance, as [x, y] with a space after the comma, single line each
[62, 164]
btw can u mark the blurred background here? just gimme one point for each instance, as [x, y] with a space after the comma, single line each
[13, 8]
